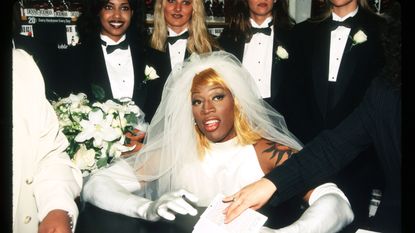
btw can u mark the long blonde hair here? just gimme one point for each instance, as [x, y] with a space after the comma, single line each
[199, 41]
[244, 132]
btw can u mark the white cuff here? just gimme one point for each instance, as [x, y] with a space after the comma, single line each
[327, 188]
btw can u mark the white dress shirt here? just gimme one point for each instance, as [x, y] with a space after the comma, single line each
[338, 42]
[120, 69]
[257, 58]
[178, 49]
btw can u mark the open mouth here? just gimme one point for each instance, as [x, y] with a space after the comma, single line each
[177, 16]
[116, 24]
[263, 4]
[211, 125]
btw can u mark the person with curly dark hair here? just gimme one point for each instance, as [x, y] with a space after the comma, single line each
[110, 61]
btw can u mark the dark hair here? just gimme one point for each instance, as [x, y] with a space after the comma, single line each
[238, 19]
[89, 25]
[391, 40]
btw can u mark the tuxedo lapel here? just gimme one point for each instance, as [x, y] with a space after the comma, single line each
[138, 59]
[98, 70]
[239, 49]
[351, 57]
[186, 54]
[232, 43]
[168, 65]
[160, 61]
[347, 68]
[320, 65]
[281, 38]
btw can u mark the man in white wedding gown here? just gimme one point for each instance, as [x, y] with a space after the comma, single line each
[212, 133]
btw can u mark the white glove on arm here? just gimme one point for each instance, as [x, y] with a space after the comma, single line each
[329, 212]
[111, 189]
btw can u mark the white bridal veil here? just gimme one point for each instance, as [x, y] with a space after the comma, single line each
[171, 137]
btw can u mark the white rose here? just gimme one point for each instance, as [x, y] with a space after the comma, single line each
[65, 122]
[282, 53]
[359, 37]
[119, 122]
[118, 147]
[150, 73]
[84, 159]
[85, 109]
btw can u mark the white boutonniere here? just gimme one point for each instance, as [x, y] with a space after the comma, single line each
[281, 53]
[150, 74]
[359, 38]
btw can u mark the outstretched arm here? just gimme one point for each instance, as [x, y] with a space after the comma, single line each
[328, 153]
[115, 189]
[253, 196]
[324, 215]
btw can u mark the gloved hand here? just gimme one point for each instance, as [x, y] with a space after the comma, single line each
[329, 212]
[169, 204]
[113, 189]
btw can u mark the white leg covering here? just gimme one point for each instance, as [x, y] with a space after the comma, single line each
[329, 212]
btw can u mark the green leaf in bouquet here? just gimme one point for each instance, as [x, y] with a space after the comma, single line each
[98, 92]
[90, 145]
[117, 101]
[131, 118]
[129, 128]
[102, 162]
[72, 149]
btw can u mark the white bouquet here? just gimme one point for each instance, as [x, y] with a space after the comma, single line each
[96, 131]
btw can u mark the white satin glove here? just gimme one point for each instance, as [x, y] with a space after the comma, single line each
[329, 212]
[112, 189]
[169, 204]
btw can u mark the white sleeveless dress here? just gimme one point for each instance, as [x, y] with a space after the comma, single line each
[226, 168]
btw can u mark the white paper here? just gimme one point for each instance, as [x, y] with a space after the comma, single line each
[365, 231]
[212, 220]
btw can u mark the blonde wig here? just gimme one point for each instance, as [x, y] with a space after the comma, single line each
[244, 133]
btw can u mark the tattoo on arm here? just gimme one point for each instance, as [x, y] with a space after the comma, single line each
[278, 150]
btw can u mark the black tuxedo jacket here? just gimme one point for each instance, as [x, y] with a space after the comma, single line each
[88, 68]
[311, 104]
[376, 121]
[235, 44]
[306, 90]
[160, 61]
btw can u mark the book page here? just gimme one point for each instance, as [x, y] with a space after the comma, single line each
[212, 220]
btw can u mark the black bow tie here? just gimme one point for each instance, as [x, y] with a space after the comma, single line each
[266, 31]
[111, 48]
[172, 39]
[346, 23]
